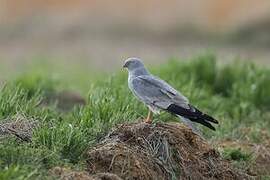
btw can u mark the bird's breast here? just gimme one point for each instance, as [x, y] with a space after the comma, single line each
[130, 85]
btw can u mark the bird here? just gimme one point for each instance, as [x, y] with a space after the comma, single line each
[158, 96]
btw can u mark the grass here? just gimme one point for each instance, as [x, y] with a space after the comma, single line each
[236, 154]
[236, 94]
[239, 157]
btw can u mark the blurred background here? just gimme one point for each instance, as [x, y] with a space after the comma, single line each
[98, 35]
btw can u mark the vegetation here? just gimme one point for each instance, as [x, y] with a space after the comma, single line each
[236, 94]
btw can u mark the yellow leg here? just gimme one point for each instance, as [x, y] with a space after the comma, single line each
[149, 117]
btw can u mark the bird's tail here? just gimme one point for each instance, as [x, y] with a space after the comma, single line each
[191, 125]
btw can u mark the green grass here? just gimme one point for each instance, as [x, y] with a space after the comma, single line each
[237, 94]
[236, 154]
[239, 158]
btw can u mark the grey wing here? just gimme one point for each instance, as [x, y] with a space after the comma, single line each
[158, 93]
[154, 91]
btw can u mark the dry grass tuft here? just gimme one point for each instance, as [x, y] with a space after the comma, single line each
[19, 126]
[68, 174]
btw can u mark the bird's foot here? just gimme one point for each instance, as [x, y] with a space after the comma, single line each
[148, 120]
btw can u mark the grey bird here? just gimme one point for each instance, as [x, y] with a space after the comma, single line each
[159, 95]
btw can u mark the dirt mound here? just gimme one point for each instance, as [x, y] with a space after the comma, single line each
[160, 151]
[19, 126]
[68, 174]
[65, 100]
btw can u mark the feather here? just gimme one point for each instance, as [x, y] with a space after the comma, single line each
[193, 114]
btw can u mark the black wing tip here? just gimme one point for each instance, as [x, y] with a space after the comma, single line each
[205, 116]
[195, 116]
[210, 119]
[207, 124]
[212, 128]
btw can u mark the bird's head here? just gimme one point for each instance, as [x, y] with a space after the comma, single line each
[133, 63]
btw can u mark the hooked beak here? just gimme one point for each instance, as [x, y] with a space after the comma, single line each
[125, 65]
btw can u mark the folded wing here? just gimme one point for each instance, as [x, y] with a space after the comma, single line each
[156, 92]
